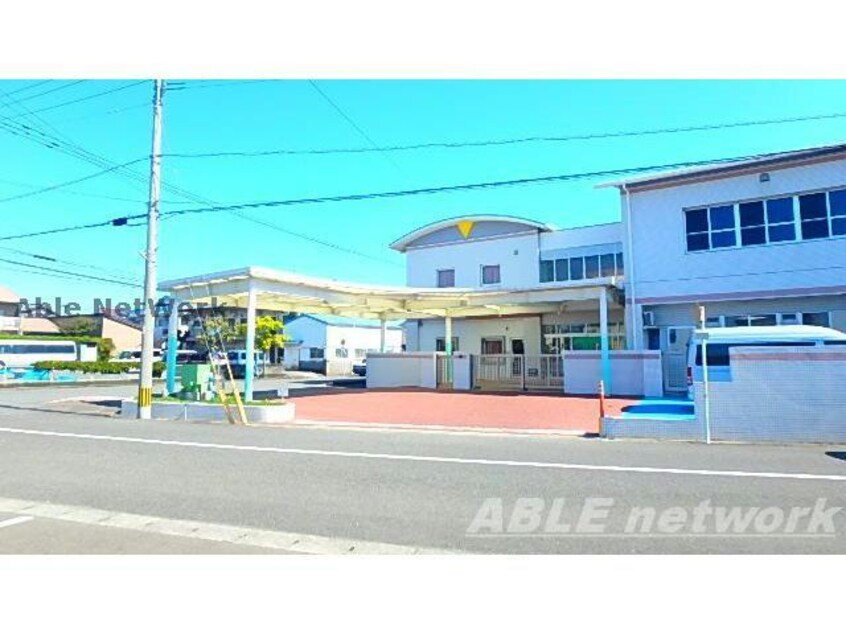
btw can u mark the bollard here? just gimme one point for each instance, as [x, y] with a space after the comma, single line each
[601, 405]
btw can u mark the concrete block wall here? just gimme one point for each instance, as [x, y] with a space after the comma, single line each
[633, 373]
[779, 394]
[414, 369]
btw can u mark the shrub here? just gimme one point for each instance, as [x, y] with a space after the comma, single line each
[96, 367]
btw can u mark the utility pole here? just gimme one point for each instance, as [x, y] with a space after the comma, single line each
[145, 381]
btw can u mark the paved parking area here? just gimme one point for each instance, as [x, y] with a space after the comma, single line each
[511, 411]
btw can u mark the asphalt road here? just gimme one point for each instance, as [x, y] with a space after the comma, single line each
[391, 491]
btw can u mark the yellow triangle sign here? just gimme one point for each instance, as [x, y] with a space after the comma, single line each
[465, 227]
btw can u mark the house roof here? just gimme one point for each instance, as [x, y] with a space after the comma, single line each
[8, 296]
[405, 241]
[751, 164]
[354, 322]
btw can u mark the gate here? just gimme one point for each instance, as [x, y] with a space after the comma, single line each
[443, 371]
[518, 372]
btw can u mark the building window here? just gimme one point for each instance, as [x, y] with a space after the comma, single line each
[780, 225]
[577, 268]
[490, 274]
[606, 265]
[446, 278]
[581, 267]
[837, 209]
[315, 353]
[768, 221]
[696, 226]
[816, 319]
[814, 216]
[440, 344]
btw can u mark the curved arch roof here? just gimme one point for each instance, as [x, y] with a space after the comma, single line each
[467, 221]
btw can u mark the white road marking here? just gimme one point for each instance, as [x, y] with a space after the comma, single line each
[14, 521]
[433, 459]
[277, 540]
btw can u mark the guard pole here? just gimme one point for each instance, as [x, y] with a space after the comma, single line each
[601, 405]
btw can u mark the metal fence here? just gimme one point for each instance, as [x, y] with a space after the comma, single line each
[518, 372]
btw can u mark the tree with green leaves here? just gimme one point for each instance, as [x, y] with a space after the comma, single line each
[214, 330]
[269, 333]
[79, 327]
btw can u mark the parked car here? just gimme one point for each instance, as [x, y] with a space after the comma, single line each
[360, 369]
[721, 340]
[238, 363]
[134, 356]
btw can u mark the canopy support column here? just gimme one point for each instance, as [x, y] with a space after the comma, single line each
[604, 353]
[172, 345]
[250, 344]
[383, 334]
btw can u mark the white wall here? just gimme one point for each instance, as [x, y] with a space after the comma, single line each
[401, 370]
[664, 270]
[582, 236]
[471, 331]
[633, 373]
[361, 338]
[787, 394]
[316, 334]
[517, 256]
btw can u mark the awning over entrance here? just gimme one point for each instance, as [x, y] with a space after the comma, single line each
[256, 288]
[284, 291]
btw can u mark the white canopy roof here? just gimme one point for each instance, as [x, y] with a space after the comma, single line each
[289, 292]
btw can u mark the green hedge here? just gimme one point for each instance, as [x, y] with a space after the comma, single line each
[105, 346]
[96, 367]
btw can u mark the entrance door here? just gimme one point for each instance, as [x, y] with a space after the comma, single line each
[493, 345]
[674, 358]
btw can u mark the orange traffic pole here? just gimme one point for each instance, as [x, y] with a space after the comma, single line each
[601, 404]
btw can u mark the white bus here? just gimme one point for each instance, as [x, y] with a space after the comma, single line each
[722, 340]
[22, 353]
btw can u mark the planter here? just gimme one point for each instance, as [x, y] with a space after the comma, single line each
[188, 410]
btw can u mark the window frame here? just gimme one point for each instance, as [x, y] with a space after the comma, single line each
[482, 269]
[438, 273]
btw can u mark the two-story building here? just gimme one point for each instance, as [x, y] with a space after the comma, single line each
[515, 255]
[755, 242]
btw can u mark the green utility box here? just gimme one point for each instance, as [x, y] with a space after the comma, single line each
[197, 379]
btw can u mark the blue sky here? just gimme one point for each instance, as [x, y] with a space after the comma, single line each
[210, 116]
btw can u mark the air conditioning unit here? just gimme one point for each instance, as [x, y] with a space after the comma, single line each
[648, 318]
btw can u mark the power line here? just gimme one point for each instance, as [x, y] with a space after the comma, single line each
[373, 145]
[396, 194]
[84, 98]
[49, 258]
[54, 89]
[114, 222]
[501, 142]
[29, 86]
[72, 182]
[455, 188]
[62, 272]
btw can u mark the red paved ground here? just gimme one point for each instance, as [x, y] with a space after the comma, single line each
[456, 409]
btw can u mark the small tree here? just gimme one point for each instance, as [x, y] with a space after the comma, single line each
[269, 333]
[214, 330]
[79, 327]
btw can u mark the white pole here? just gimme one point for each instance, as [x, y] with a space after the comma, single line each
[604, 354]
[383, 335]
[706, 391]
[250, 345]
[145, 383]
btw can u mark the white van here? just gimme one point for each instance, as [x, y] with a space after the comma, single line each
[721, 340]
